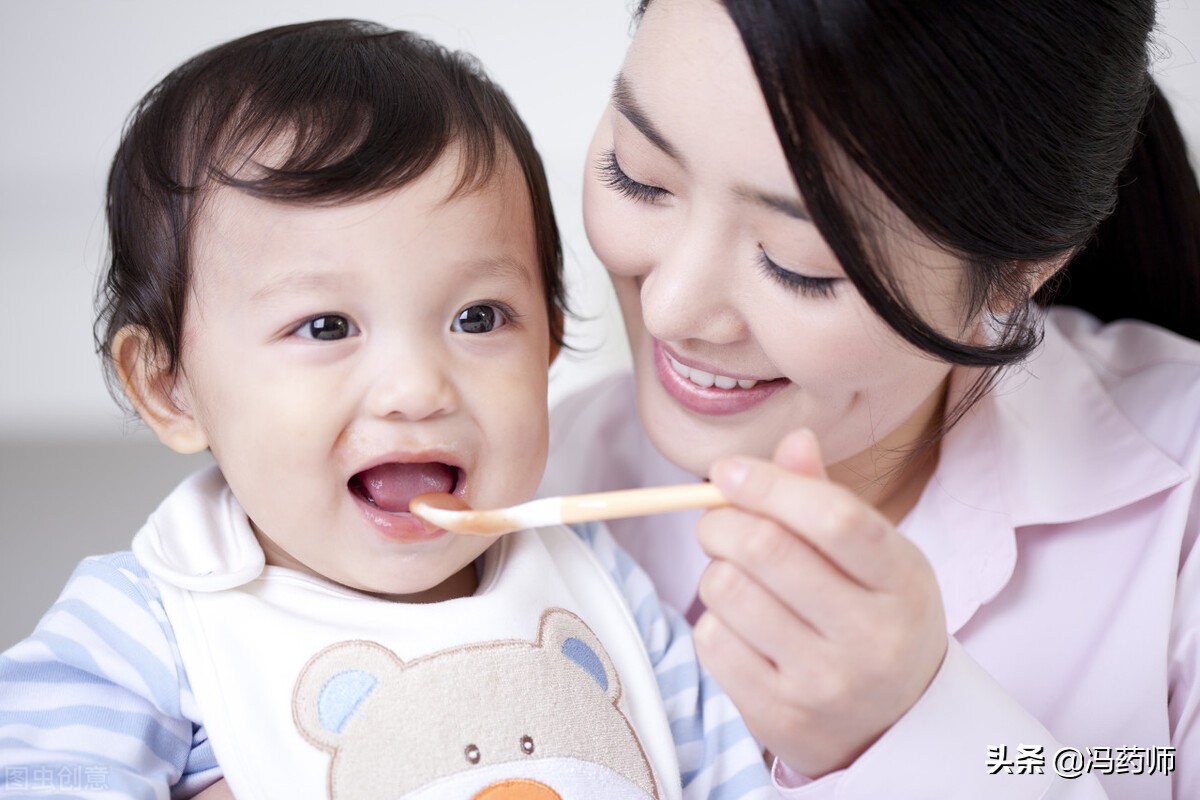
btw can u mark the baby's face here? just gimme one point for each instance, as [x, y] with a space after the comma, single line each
[341, 359]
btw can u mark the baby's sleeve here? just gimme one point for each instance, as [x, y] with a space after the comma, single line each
[94, 703]
[718, 757]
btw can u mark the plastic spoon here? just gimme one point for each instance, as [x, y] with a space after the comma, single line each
[451, 513]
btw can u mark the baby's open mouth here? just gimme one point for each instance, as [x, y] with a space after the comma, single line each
[390, 487]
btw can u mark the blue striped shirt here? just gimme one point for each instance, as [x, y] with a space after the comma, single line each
[96, 702]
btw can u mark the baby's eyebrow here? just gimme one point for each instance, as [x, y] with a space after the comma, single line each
[500, 267]
[296, 282]
[624, 102]
[503, 267]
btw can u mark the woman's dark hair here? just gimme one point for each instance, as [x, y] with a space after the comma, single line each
[349, 110]
[1144, 261]
[1004, 131]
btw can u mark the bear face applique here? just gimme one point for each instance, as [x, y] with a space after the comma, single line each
[505, 720]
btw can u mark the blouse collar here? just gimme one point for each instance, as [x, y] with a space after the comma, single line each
[1030, 452]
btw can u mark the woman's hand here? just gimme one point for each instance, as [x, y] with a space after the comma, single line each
[218, 791]
[824, 623]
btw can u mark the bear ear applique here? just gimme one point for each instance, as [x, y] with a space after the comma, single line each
[333, 686]
[562, 633]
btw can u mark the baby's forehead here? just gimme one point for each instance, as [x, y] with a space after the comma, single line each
[445, 215]
[462, 165]
[457, 174]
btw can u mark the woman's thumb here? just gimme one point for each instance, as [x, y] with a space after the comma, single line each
[799, 452]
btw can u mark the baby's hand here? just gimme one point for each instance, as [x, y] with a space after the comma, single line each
[218, 791]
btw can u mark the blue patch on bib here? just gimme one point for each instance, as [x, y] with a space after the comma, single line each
[341, 696]
[584, 656]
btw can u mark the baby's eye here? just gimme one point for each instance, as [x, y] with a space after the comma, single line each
[327, 327]
[481, 318]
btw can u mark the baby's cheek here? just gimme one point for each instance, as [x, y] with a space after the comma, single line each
[509, 407]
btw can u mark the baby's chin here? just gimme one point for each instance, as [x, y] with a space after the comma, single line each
[423, 588]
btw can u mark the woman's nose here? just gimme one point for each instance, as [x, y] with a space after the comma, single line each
[689, 292]
[411, 385]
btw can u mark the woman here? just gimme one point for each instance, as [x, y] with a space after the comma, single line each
[959, 561]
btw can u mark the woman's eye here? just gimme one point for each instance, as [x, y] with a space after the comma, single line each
[482, 318]
[615, 178]
[795, 281]
[327, 327]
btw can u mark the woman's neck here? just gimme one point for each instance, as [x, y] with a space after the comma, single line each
[892, 473]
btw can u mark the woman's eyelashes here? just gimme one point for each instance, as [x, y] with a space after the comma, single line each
[482, 318]
[326, 327]
[615, 178]
[795, 281]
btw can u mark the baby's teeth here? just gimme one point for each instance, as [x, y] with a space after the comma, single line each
[724, 383]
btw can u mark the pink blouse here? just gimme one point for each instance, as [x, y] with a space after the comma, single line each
[1061, 523]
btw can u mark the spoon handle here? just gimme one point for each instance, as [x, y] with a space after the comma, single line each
[639, 502]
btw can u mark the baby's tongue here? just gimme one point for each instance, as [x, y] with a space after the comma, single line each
[391, 486]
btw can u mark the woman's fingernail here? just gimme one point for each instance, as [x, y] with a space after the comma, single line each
[730, 473]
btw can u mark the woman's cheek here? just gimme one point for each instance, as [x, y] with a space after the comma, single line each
[617, 230]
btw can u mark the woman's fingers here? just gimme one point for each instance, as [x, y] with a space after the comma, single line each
[799, 452]
[830, 518]
[824, 623]
[754, 558]
[745, 673]
[218, 791]
[786, 705]
[765, 621]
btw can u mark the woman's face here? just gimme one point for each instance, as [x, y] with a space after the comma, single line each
[741, 322]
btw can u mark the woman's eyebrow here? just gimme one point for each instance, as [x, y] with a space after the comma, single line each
[624, 102]
[776, 202]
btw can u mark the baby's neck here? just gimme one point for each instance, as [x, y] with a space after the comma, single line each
[461, 584]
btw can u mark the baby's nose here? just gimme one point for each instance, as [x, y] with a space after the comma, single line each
[412, 387]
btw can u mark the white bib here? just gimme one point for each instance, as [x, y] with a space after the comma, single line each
[538, 686]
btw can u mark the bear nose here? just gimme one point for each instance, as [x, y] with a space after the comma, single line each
[517, 789]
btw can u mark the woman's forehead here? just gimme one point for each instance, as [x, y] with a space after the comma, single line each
[687, 87]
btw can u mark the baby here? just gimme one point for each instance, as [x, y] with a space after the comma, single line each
[335, 266]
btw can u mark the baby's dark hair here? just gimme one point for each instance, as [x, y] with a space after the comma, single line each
[348, 109]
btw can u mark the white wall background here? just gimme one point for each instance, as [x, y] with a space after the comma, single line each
[75, 476]
[70, 71]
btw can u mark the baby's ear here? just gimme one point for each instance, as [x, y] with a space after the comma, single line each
[154, 392]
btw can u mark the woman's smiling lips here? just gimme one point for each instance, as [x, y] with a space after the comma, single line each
[710, 393]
